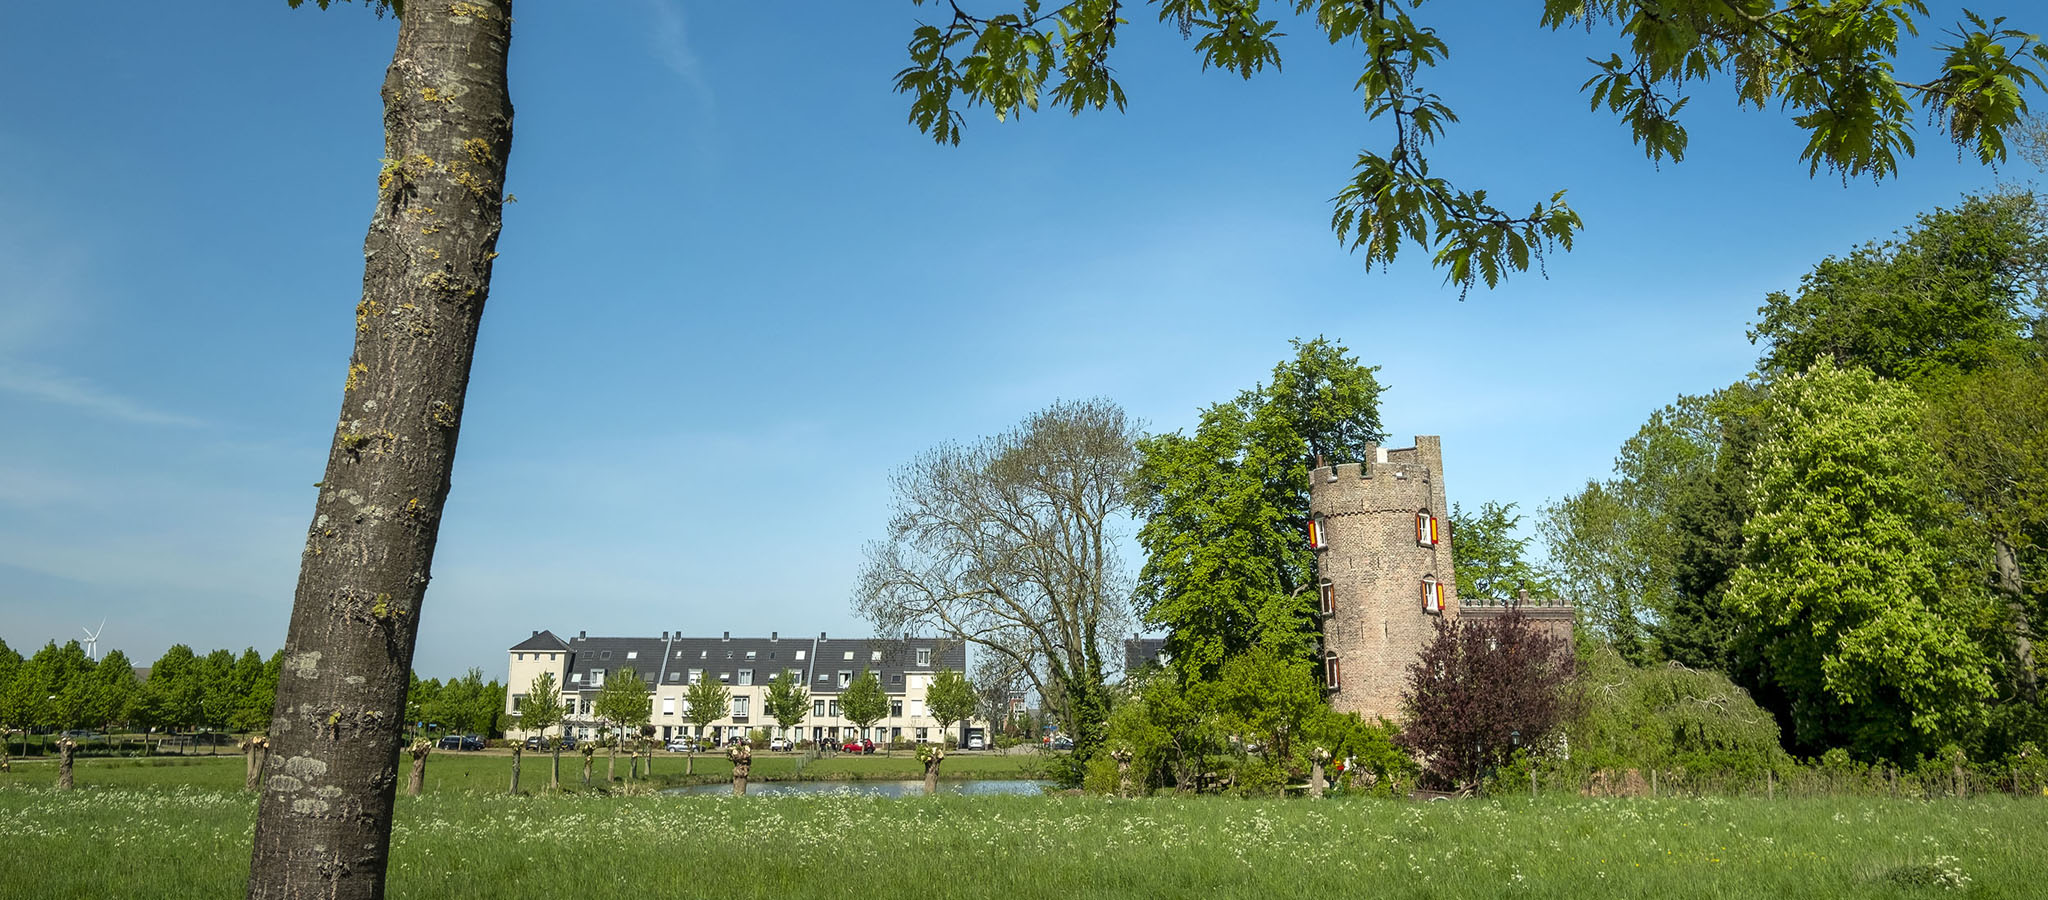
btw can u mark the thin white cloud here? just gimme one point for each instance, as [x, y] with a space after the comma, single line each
[671, 39]
[51, 386]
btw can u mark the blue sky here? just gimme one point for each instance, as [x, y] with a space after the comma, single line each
[737, 290]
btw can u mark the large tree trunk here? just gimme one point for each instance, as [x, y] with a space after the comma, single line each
[2014, 588]
[589, 755]
[742, 757]
[64, 748]
[323, 825]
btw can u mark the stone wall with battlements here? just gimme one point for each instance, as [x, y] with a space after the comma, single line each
[1376, 568]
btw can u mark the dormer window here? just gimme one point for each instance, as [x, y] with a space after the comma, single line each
[1328, 593]
[1425, 529]
[1318, 533]
[1432, 595]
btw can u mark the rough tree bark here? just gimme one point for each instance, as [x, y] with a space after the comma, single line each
[555, 772]
[417, 782]
[589, 755]
[254, 750]
[64, 749]
[516, 748]
[2011, 585]
[323, 825]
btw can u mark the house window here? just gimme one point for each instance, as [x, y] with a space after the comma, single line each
[849, 654]
[824, 677]
[696, 675]
[703, 654]
[604, 654]
[725, 677]
[799, 656]
[924, 657]
[896, 708]
[518, 700]
[1333, 673]
[1329, 595]
[668, 706]
[845, 678]
[875, 656]
[896, 678]
[746, 676]
[1432, 595]
[739, 707]
[596, 677]
[1318, 533]
[832, 707]
[575, 677]
[632, 654]
[1425, 529]
[818, 709]
[674, 677]
[920, 735]
[750, 654]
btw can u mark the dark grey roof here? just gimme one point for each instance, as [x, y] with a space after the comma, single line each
[541, 640]
[668, 660]
[1141, 652]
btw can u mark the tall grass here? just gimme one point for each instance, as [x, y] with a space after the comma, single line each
[187, 842]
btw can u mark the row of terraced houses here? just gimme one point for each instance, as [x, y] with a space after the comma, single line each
[669, 664]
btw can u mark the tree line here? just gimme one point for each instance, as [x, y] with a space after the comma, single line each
[60, 688]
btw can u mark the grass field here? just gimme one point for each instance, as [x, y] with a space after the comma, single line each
[170, 831]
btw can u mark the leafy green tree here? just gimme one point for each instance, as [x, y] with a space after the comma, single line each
[13, 707]
[1601, 566]
[863, 701]
[1662, 716]
[1850, 581]
[788, 703]
[1830, 65]
[172, 696]
[1226, 564]
[706, 700]
[1958, 291]
[114, 691]
[1492, 558]
[541, 710]
[1269, 697]
[67, 671]
[1991, 429]
[219, 694]
[256, 693]
[623, 702]
[950, 698]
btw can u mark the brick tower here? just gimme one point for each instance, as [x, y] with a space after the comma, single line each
[1383, 557]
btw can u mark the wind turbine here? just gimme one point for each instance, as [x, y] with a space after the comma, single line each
[92, 641]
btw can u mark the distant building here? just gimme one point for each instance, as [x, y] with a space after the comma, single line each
[1140, 652]
[672, 662]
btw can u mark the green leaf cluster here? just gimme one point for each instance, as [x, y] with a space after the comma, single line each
[1832, 66]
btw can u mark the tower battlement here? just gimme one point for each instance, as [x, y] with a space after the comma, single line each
[1385, 567]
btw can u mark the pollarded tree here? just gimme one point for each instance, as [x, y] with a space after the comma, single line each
[541, 710]
[705, 702]
[1854, 584]
[1830, 64]
[1010, 544]
[624, 704]
[788, 702]
[863, 701]
[1227, 564]
[1480, 690]
[950, 698]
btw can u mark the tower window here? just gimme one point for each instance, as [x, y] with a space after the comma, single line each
[1318, 533]
[1329, 595]
[1432, 595]
[1333, 673]
[1425, 529]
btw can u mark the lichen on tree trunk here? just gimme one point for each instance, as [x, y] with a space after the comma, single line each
[742, 757]
[323, 825]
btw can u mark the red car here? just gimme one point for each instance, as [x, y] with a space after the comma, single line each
[860, 746]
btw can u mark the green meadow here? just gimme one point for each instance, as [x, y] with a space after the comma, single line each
[183, 830]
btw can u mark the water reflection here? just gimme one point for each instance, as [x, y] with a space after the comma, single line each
[980, 786]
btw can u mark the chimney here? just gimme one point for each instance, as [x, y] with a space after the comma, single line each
[728, 636]
[775, 635]
[664, 635]
[821, 635]
[582, 634]
[536, 634]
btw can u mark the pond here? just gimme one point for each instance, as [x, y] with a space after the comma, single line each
[977, 786]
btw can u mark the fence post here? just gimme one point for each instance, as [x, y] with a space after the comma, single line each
[1770, 784]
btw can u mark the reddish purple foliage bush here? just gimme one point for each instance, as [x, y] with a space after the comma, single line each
[1481, 689]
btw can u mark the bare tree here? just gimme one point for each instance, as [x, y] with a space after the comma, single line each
[1011, 544]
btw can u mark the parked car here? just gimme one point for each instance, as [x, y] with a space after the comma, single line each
[536, 743]
[461, 742]
[568, 742]
[682, 745]
[858, 746]
[1062, 743]
[779, 744]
